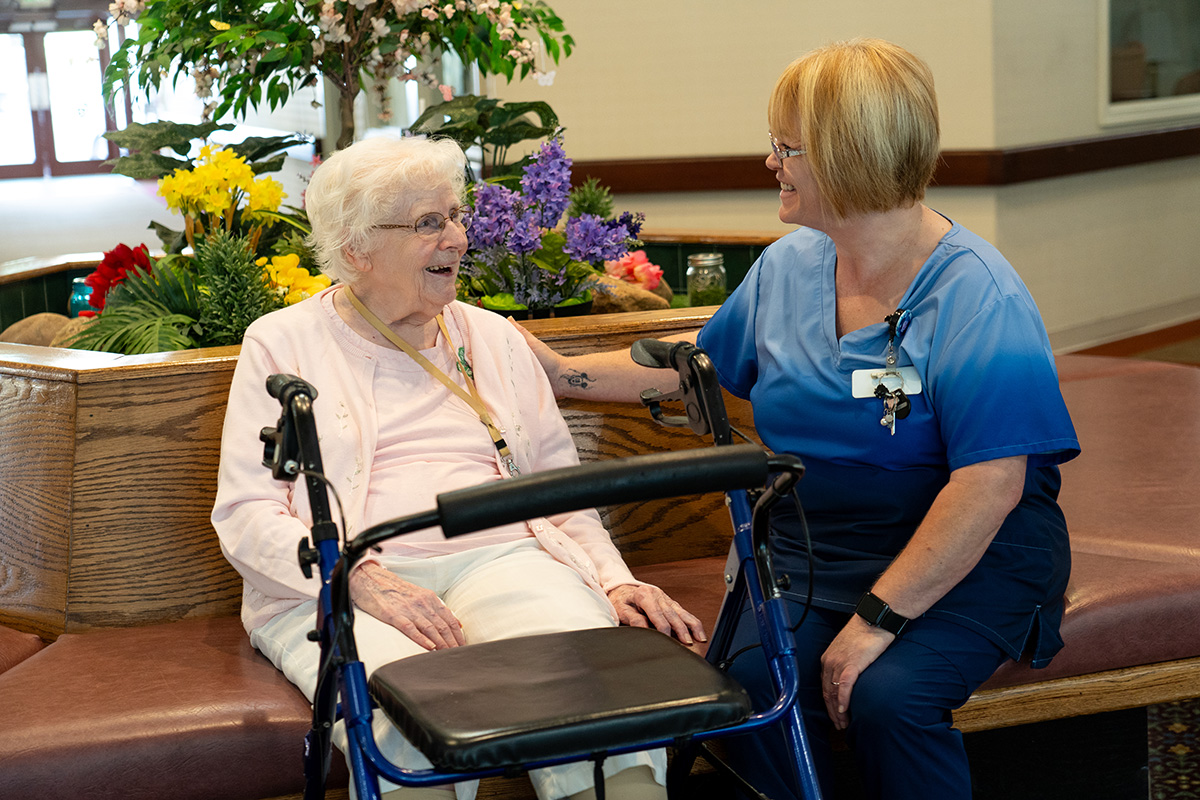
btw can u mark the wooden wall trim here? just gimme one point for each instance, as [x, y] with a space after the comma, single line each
[999, 167]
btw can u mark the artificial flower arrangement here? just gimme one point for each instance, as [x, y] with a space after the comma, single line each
[635, 268]
[239, 268]
[521, 257]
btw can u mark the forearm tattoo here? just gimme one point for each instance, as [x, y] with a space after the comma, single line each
[576, 379]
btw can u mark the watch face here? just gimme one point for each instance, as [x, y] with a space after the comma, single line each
[871, 608]
[879, 615]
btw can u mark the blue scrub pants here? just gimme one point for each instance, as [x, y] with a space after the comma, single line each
[900, 711]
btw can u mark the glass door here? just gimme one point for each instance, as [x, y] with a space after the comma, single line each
[52, 116]
[19, 94]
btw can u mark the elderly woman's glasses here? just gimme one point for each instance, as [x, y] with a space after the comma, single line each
[431, 225]
[782, 152]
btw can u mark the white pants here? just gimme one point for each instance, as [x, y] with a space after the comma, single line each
[496, 592]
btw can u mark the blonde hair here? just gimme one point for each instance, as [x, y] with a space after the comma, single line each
[865, 111]
[367, 184]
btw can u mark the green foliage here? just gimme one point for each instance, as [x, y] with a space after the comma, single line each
[148, 313]
[136, 328]
[591, 198]
[237, 293]
[491, 125]
[144, 141]
[263, 51]
[171, 284]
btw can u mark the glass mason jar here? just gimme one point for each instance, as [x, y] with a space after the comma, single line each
[80, 292]
[706, 279]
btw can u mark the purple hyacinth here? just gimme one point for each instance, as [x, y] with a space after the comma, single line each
[547, 182]
[632, 222]
[592, 240]
[494, 215]
[526, 234]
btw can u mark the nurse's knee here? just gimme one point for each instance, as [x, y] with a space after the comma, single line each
[888, 700]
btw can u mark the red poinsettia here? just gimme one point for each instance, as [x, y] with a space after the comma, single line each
[117, 263]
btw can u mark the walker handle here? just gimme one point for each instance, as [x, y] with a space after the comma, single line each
[624, 480]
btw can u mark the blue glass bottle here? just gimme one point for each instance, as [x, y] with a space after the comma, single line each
[80, 292]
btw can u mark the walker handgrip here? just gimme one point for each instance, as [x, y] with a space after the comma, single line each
[623, 480]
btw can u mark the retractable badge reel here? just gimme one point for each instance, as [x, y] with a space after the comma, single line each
[890, 388]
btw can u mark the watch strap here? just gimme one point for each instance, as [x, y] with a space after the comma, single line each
[879, 614]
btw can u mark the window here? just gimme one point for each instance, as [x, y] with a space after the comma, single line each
[1150, 60]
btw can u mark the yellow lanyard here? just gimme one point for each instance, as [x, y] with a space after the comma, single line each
[473, 400]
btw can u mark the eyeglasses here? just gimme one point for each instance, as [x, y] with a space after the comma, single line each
[431, 225]
[783, 152]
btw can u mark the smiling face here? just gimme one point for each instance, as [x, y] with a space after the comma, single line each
[407, 278]
[800, 202]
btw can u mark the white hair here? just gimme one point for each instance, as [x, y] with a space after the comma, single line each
[367, 184]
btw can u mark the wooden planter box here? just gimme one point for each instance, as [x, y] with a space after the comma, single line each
[109, 468]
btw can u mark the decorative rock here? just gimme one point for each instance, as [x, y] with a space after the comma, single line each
[612, 295]
[70, 331]
[39, 329]
[664, 291]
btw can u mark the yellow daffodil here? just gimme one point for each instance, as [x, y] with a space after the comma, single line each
[219, 183]
[291, 281]
[265, 194]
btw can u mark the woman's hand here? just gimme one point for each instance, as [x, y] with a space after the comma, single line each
[636, 605]
[851, 652]
[413, 610]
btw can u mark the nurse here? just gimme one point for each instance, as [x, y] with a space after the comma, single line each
[900, 355]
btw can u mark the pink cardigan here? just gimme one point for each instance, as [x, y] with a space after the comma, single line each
[260, 521]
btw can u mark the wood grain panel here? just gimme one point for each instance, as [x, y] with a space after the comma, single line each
[145, 480]
[1096, 693]
[37, 429]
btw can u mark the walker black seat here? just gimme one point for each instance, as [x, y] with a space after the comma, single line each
[537, 698]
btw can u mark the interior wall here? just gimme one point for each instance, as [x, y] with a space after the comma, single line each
[1109, 254]
[1106, 254]
[675, 78]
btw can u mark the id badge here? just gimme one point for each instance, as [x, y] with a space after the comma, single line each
[864, 381]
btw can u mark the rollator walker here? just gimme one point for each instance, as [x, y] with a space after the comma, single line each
[509, 706]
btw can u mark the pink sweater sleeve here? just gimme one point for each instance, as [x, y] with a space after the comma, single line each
[254, 514]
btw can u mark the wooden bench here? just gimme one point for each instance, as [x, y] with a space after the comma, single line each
[149, 684]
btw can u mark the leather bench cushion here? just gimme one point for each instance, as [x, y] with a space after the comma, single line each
[1121, 612]
[1130, 492]
[16, 646]
[180, 710]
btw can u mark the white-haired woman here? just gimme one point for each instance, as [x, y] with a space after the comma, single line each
[901, 356]
[418, 394]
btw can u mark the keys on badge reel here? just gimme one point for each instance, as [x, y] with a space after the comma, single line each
[896, 405]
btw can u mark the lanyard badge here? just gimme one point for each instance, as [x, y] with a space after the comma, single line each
[893, 384]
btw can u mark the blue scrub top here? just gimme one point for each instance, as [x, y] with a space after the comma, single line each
[989, 389]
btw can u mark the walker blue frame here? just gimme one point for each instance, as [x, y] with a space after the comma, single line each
[292, 449]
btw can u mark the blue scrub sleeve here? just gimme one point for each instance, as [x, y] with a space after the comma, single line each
[995, 388]
[729, 339]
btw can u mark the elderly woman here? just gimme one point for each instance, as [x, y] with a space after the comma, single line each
[418, 395]
[901, 356]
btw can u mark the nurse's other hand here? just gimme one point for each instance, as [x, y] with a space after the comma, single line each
[851, 652]
[413, 610]
[643, 606]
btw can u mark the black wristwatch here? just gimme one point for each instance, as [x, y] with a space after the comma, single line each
[879, 615]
